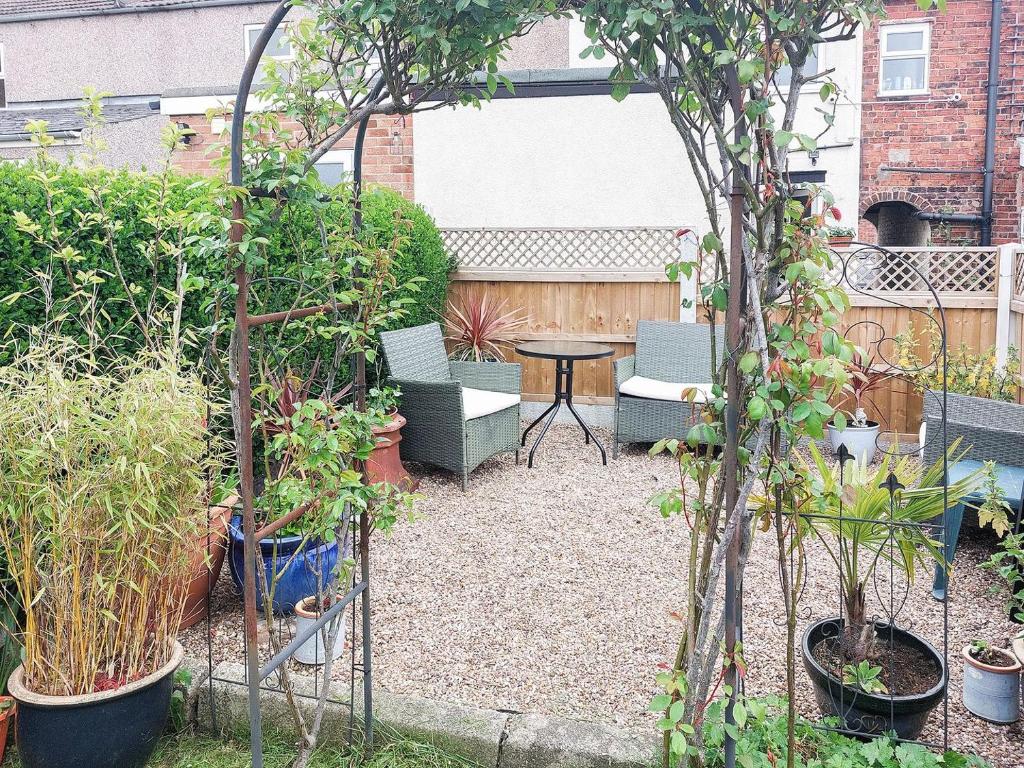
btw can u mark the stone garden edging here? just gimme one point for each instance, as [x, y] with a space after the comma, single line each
[489, 738]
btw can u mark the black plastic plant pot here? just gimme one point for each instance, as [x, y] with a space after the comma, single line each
[864, 714]
[110, 729]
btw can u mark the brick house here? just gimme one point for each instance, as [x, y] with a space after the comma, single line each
[924, 123]
[560, 153]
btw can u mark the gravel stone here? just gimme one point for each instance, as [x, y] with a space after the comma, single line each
[551, 590]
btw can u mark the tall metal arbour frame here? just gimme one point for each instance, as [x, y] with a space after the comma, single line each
[255, 675]
[866, 270]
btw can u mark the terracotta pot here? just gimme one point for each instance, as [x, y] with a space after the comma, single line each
[205, 573]
[6, 718]
[840, 241]
[385, 462]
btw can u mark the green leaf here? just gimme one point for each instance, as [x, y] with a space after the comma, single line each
[782, 138]
[620, 91]
[757, 408]
[676, 711]
[749, 361]
[739, 714]
[711, 242]
[660, 702]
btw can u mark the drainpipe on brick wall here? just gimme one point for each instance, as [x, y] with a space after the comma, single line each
[990, 122]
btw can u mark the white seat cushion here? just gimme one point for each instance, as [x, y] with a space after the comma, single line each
[481, 402]
[652, 389]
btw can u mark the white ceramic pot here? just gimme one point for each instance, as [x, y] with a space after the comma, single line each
[313, 650]
[859, 441]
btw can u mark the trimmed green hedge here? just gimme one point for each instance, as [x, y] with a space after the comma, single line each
[423, 254]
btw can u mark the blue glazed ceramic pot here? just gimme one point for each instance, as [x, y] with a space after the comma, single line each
[296, 579]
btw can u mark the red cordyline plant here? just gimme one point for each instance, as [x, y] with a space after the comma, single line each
[482, 329]
[865, 378]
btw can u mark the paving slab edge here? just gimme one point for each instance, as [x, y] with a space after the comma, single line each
[488, 738]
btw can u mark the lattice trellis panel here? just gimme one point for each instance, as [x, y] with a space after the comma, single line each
[966, 270]
[947, 270]
[646, 249]
[1018, 275]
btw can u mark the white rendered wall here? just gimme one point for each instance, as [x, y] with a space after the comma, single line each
[590, 161]
[574, 161]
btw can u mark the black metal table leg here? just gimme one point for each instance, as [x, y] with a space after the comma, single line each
[553, 406]
[590, 435]
[563, 393]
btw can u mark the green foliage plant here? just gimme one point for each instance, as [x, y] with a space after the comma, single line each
[1007, 562]
[864, 676]
[862, 526]
[105, 458]
[968, 372]
[763, 743]
[103, 477]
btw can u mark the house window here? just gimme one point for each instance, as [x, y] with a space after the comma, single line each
[3, 79]
[279, 47]
[904, 49]
[784, 74]
[335, 166]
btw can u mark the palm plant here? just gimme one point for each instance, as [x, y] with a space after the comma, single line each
[481, 329]
[867, 517]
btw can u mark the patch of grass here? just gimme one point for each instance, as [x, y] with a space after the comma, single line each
[192, 751]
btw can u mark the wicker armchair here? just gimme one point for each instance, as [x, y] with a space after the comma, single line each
[667, 354]
[459, 414]
[994, 431]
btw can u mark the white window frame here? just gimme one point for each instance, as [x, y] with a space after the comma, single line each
[346, 157]
[257, 28]
[3, 77]
[925, 28]
[814, 85]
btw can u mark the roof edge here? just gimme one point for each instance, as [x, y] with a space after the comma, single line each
[193, 5]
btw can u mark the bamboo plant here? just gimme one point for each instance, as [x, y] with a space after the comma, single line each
[103, 482]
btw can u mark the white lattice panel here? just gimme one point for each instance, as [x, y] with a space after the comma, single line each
[946, 270]
[646, 249]
[1018, 275]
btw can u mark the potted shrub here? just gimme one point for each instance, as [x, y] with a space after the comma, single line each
[102, 477]
[481, 330]
[874, 676]
[841, 237]
[313, 486]
[853, 428]
[1008, 563]
[385, 462]
[991, 682]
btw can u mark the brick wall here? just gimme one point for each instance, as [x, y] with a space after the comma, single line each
[936, 131]
[387, 153]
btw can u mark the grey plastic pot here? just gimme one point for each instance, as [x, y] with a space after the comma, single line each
[992, 693]
[858, 440]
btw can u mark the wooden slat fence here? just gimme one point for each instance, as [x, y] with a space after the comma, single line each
[594, 284]
[580, 284]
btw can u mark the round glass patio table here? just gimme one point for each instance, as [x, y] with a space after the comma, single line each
[565, 354]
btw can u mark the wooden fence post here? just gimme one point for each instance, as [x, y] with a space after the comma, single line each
[688, 251]
[1004, 295]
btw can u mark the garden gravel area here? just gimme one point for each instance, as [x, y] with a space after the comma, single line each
[552, 590]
